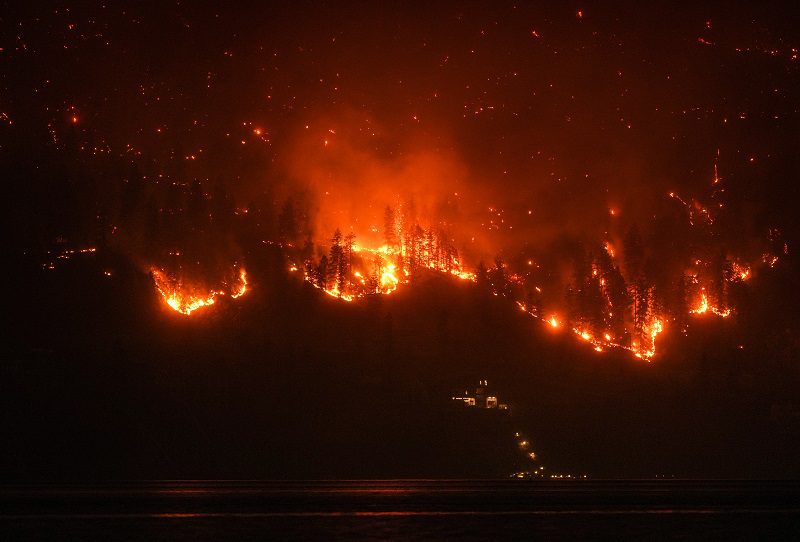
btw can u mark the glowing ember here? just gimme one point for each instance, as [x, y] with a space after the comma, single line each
[741, 272]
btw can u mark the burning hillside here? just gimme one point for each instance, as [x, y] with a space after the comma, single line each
[301, 223]
[608, 198]
[351, 271]
[185, 297]
[613, 298]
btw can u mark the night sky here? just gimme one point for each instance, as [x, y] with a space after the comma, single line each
[566, 110]
[623, 174]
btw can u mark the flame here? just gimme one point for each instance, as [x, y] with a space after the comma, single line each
[389, 280]
[187, 299]
[704, 307]
[381, 270]
[241, 289]
[652, 331]
[645, 350]
[741, 272]
[334, 292]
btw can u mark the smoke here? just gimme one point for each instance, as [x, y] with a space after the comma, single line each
[355, 167]
[350, 165]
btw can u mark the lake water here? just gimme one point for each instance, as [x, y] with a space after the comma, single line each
[404, 509]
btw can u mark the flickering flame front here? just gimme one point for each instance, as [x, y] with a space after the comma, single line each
[645, 349]
[186, 299]
[704, 307]
[389, 280]
[351, 271]
[240, 289]
[609, 307]
[649, 350]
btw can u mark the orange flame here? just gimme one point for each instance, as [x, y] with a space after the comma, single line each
[186, 299]
[382, 265]
[705, 307]
[241, 289]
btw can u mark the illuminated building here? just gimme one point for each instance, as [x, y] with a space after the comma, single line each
[480, 398]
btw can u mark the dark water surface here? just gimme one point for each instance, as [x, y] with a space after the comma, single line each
[405, 509]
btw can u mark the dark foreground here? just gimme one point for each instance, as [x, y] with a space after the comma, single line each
[210, 510]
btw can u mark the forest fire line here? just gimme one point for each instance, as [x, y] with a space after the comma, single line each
[380, 274]
[604, 307]
[350, 270]
[609, 292]
[185, 298]
[705, 307]
[643, 351]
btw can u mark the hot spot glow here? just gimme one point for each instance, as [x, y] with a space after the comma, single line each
[741, 272]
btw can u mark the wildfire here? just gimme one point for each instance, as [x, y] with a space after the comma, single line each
[705, 307]
[741, 272]
[334, 292]
[351, 270]
[240, 289]
[186, 299]
[389, 280]
[607, 309]
[652, 331]
[645, 350]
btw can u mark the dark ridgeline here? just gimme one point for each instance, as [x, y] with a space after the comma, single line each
[102, 380]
